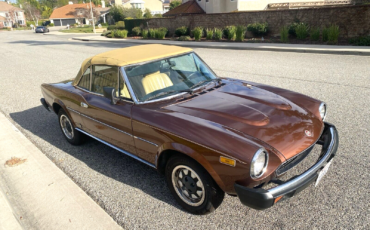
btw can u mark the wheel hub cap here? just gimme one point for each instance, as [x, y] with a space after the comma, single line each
[188, 185]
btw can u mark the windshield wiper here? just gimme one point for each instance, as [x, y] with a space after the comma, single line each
[169, 92]
[202, 82]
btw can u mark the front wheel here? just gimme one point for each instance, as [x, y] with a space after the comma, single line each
[192, 186]
[70, 133]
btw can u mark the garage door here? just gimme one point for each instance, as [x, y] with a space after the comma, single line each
[57, 22]
[65, 22]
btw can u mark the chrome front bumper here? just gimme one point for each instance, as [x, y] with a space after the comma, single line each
[259, 198]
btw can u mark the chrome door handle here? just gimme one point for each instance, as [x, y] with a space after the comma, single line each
[84, 105]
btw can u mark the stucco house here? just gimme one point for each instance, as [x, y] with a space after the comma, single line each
[225, 6]
[155, 6]
[77, 13]
[10, 15]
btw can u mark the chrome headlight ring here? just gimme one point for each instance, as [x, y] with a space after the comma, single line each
[259, 163]
[322, 110]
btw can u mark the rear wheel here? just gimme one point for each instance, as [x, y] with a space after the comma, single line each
[70, 133]
[192, 186]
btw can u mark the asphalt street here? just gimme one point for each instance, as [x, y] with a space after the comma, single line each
[137, 197]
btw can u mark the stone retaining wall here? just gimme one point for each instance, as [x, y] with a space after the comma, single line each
[352, 20]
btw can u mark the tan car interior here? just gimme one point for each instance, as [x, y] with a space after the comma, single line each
[104, 76]
[149, 78]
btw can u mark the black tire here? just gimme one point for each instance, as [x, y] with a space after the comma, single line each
[211, 195]
[69, 131]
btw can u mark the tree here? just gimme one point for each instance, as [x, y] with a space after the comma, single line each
[147, 13]
[86, 13]
[117, 13]
[175, 4]
[32, 13]
[46, 11]
[10, 17]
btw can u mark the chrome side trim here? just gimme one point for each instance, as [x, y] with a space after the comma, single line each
[146, 141]
[118, 149]
[290, 185]
[112, 127]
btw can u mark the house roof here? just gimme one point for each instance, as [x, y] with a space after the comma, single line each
[2, 19]
[6, 7]
[102, 10]
[67, 11]
[138, 54]
[190, 7]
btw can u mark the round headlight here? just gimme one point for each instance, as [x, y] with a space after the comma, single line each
[259, 163]
[322, 110]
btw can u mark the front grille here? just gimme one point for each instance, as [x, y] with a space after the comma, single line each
[289, 164]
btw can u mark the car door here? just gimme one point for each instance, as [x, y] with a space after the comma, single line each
[106, 121]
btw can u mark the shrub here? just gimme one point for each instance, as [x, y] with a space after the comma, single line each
[258, 29]
[315, 34]
[104, 24]
[184, 38]
[28, 23]
[301, 31]
[284, 34]
[230, 32]
[120, 25]
[51, 24]
[119, 33]
[240, 33]
[147, 13]
[112, 27]
[145, 34]
[160, 33]
[325, 32]
[333, 34]
[106, 33]
[218, 34]
[158, 16]
[292, 28]
[209, 34]
[360, 41]
[198, 33]
[136, 31]
[181, 31]
[151, 33]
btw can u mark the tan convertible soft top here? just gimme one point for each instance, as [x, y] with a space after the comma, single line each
[131, 55]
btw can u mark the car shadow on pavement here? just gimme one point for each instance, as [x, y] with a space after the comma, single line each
[94, 154]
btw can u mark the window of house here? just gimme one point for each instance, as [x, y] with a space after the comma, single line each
[85, 80]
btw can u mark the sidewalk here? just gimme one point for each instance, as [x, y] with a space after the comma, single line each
[301, 48]
[36, 194]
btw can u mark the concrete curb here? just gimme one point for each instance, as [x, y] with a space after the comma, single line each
[320, 49]
[37, 194]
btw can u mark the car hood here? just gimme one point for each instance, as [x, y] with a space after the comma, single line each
[257, 113]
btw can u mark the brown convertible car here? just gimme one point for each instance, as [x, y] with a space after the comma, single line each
[163, 106]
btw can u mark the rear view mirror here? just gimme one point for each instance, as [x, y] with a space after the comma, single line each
[109, 92]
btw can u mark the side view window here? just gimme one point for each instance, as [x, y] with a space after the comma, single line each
[85, 80]
[104, 76]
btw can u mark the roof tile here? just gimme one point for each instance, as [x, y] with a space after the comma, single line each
[190, 7]
[67, 11]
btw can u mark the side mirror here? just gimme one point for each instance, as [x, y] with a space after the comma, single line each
[109, 92]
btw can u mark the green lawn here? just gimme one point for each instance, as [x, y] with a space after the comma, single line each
[85, 29]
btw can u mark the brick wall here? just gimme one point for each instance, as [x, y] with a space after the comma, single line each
[352, 20]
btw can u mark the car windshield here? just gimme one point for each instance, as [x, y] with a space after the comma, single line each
[40, 27]
[168, 77]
